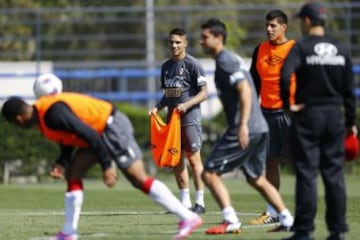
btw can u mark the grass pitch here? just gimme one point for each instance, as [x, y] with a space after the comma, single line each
[35, 212]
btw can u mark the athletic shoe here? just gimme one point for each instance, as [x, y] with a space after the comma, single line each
[281, 228]
[264, 218]
[63, 236]
[186, 227]
[198, 209]
[336, 236]
[224, 228]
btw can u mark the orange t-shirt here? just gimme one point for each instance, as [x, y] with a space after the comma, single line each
[166, 140]
[269, 63]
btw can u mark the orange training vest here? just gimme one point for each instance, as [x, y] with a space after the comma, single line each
[166, 140]
[269, 63]
[93, 112]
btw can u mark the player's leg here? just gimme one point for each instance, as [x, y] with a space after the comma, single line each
[272, 196]
[332, 171]
[279, 147]
[306, 128]
[254, 169]
[225, 156]
[82, 161]
[273, 176]
[162, 195]
[231, 223]
[120, 141]
[278, 123]
[191, 136]
[182, 180]
[197, 168]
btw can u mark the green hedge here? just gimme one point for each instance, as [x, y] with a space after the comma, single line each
[33, 149]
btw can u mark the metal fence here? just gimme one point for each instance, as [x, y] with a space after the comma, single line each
[117, 51]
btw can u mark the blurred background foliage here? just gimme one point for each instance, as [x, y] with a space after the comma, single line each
[18, 34]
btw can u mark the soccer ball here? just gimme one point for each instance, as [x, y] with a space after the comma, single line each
[47, 84]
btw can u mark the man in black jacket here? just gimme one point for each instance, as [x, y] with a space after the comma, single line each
[325, 82]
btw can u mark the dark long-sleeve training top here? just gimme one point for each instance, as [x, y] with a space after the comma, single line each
[324, 74]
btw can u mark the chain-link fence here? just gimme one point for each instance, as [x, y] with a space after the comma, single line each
[107, 49]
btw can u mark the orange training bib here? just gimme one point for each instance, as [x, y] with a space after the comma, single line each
[165, 140]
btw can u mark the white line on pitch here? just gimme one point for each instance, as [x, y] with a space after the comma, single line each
[99, 213]
[170, 232]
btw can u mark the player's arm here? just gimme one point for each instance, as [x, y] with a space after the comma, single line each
[162, 103]
[65, 155]
[197, 99]
[349, 96]
[244, 89]
[198, 74]
[254, 73]
[60, 117]
[292, 62]
[58, 169]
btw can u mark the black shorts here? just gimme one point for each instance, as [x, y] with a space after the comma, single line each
[227, 155]
[279, 133]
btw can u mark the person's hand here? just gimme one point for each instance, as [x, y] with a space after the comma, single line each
[296, 107]
[110, 177]
[243, 136]
[352, 130]
[152, 111]
[57, 171]
[182, 107]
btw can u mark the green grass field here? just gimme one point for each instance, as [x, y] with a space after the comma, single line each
[35, 212]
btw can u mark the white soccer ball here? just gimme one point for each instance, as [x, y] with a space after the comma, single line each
[47, 84]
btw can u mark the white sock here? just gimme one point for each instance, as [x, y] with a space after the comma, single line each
[161, 194]
[286, 219]
[199, 197]
[271, 210]
[229, 215]
[184, 195]
[73, 203]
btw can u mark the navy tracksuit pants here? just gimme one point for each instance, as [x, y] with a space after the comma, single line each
[317, 135]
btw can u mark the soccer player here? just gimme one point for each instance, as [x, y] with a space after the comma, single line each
[267, 61]
[91, 131]
[324, 84]
[244, 142]
[183, 81]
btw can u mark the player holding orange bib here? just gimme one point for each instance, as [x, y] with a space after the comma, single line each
[184, 85]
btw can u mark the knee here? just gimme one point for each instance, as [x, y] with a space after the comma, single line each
[197, 167]
[255, 182]
[136, 175]
[194, 157]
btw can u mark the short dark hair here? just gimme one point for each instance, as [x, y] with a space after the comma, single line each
[277, 14]
[178, 31]
[216, 27]
[13, 107]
